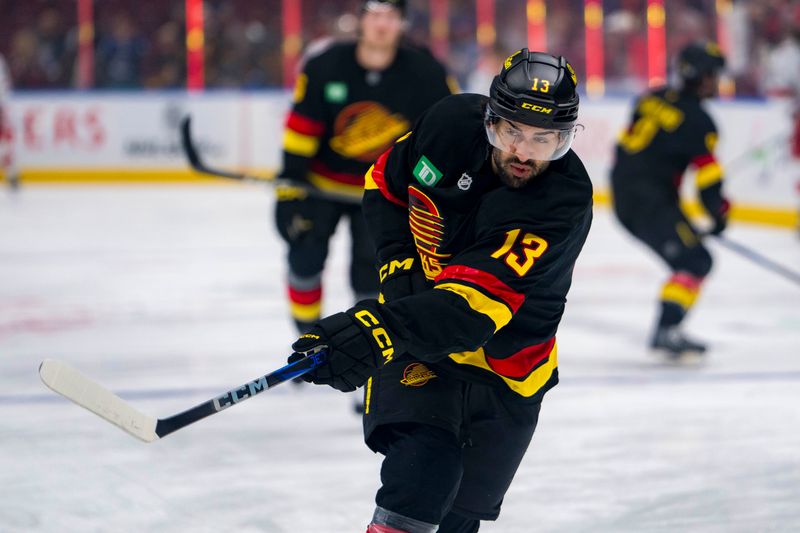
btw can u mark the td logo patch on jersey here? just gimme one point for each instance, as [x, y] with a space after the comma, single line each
[335, 92]
[426, 173]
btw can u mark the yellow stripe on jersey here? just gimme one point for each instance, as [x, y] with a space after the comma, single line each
[708, 175]
[679, 294]
[305, 312]
[328, 185]
[479, 302]
[299, 144]
[528, 386]
[369, 181]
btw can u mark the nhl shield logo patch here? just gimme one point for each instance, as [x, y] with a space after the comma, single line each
[417, 375]
[464, 182]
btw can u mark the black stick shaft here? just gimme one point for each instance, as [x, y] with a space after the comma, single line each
[197, 163]
[165, 426]
[759, 259]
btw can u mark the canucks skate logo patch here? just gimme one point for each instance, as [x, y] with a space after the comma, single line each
[426, 173]
[417, 375]
[464, 182]
[335, 92]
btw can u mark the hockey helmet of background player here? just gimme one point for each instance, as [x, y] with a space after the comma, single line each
[536, 89]
[698, 60]
[375, 5]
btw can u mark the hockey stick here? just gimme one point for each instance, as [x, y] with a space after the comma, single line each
[759, 259]
[90, 395]
[197, 163]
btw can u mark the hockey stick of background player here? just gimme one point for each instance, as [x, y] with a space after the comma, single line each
[758, 259]
[197, 163]
[90, 395]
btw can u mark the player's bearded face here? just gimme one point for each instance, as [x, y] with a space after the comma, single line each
[513, 171]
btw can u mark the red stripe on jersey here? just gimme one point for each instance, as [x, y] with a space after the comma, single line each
[340, 177]
[703, 160]
[523, 362]
[378, 174]
[304, 125]
[305, 297]
[486, 281]
[686, 280]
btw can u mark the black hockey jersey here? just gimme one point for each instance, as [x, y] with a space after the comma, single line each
[500, 259]
[669, 131]
[344, 116]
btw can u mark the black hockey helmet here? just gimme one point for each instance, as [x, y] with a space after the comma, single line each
[400, 5]
[699, 59]
[537, 89]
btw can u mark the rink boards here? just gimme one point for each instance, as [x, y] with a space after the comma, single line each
[123, 137]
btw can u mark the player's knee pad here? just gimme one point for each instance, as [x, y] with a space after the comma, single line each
[695, 260]
[307, 258]
[421, 472]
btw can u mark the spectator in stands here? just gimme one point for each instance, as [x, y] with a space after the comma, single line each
[120, 55]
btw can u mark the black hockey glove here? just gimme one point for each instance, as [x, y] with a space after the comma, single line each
[402, 276]
[720, 218]
[358, 342]
[294, 211]
[717, 207]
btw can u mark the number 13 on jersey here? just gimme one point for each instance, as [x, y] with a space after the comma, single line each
[532, 247]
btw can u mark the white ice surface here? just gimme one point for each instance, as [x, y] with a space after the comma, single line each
[171, 295]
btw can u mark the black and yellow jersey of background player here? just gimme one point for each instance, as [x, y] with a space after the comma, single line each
[499, 260]
[344, 116]
[669, 131]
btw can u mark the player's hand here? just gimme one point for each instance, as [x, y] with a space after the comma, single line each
[721, 218]
[294, 211]
[400, 277]
[358, 342]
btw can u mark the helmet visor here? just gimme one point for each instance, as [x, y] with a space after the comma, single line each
[529, 142]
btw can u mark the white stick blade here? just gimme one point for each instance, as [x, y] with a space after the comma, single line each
[90, 395]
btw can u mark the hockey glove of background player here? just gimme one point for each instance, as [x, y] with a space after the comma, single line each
[358, 342]
[401, 276]
[293, 211]
[717, 206]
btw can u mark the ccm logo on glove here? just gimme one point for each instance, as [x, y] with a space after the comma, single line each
[393, 266]
[378, 333]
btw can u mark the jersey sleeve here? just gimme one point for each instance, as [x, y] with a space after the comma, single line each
[385, 201]
[515, 259]
[709, 173]
[305, 123]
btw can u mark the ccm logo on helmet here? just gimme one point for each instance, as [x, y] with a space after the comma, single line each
[538, 108]
[378, 333]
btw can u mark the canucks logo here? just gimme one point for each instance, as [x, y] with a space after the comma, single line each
[510, 59]
[417, 375]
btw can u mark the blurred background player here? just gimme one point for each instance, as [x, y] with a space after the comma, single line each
[351, 102]
[485, 200]
[669, 132]
[7, 162]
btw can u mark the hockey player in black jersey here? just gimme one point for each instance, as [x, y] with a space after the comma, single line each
[478, 216]
[669, 132]
[351, 102]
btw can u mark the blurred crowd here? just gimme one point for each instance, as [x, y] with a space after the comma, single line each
[142, 44]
